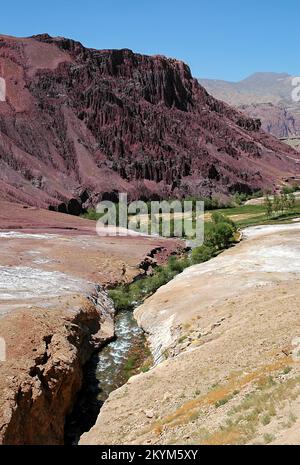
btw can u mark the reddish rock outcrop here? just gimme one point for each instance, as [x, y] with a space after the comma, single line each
[43, 371]
[80, 124]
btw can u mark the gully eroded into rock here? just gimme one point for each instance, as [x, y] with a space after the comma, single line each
[106, 371]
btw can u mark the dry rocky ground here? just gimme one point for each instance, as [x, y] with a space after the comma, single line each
[225, 339]
[54, 312]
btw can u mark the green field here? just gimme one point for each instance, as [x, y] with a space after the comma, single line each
[256, 214]
[242, 215]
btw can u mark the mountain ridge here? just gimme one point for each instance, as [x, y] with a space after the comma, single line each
[79, 125]
[263, 95]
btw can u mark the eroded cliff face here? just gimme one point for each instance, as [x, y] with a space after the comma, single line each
[80, 124]
[225, 337]
[45, 351]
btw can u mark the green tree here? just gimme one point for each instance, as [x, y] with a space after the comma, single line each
[291, 201]
[202, 254]
[276, 204]
[220, 235]
[269, 206]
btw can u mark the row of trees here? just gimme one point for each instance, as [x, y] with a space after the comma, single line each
[219, 235]
[279, 204]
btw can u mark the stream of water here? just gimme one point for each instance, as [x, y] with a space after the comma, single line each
[105, 372]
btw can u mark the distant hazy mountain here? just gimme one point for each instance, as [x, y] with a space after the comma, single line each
[257, 88]
[267, 96]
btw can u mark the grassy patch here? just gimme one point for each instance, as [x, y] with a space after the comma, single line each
[258, 407]
[221, 402]
[139, 360]
[252, 215]
[291, 420]
[243, 419]
[268, 438]
[219, 235]
[266, 419]
[224, 401]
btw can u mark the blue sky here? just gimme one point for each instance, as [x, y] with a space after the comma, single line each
[227, 39]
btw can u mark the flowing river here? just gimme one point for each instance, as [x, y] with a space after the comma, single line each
[106, 371]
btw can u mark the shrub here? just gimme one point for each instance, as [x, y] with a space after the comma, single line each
[239, 199]
[280, 204]
[221, 402]
[92, 215]
[202, 254]
[220, 236]
[266, 419]
[121, 297]
[290, 189]
[268, 438]
[178, 265]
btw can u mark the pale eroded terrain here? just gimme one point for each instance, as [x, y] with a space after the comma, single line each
[225, 338]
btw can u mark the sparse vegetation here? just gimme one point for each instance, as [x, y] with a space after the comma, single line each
[290, 189]
[91, 214]
[222, 401]
[139, 360]
[268, 438]
[258, 407]
[219, 235]
[239, 198]
[287, 370]
[145, 368]
[226, 399]
[281, 208]
[291, 420]
[130, 364]
[266, 419]
[279, 205]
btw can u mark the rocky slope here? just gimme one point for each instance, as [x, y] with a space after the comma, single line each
[267, 96]
[282, 120]
[80, 124]
[225, 337]
[54, 312]
[46, 349]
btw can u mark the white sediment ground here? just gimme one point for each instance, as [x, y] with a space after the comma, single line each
[25, 286]
[21, 235]
[267, 254]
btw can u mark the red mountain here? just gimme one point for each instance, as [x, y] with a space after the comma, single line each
[84, 124]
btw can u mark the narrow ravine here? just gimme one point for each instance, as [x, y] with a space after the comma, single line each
[107, 370]
[128, 354]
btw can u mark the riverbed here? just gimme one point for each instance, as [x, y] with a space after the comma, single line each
[107, 370]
